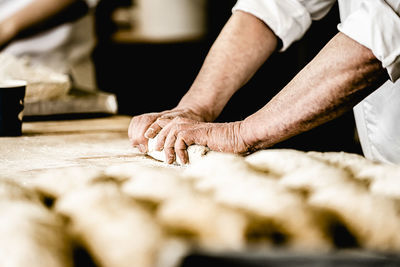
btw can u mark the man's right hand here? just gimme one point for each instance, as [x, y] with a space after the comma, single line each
[145, 126]
[241, 48]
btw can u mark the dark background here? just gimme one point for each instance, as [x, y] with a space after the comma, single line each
[150, 77]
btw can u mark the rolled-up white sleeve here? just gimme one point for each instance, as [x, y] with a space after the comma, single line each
[288, 19]
[376, 25]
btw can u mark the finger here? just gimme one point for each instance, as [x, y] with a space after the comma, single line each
[132, 125]
[137, 127]
[169, 147]
[163, 121]
[142, 148]
[181, 146]
[183, 156]
[162, 135]
[152, 131]
[156, 127]
[135, 139]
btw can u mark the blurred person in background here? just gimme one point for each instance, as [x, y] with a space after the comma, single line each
[58, 34]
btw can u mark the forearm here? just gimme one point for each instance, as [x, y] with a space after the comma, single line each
[39, 15]
[341, 75]
[241, 48]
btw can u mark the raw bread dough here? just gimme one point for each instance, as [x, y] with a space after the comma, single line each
[195, 152]
[155, 184]
[42, 83]
[280, 161]
[30, 235]
[126, 207]
[113, 227]
[372, 219]
[335, 182]
[212, 226]
[384, 179]
[235, 183]
[55, 183]
[13, 191]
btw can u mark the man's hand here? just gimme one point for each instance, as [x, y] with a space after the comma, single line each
[241, 48]
[177, 135]
[148, 125]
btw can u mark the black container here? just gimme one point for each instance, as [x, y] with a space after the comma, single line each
[12, 94]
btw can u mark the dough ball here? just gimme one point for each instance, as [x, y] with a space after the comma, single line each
[155, 184]
[211, 226]
[112, 227]
[13, 191]
[30, 235]
[57, 182]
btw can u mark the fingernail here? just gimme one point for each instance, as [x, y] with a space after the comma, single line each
[157, 147]
[149, 133]
[142, 148]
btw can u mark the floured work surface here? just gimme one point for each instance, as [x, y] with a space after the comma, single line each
[88, 143]
[97, 194]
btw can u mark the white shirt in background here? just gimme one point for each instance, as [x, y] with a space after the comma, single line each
[374, 24]
[66, 48]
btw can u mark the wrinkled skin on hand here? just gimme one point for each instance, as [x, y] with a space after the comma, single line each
[177, 135]
[145, 126]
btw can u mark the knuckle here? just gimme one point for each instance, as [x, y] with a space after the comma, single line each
[175, 129]
[178, 119]
[180, 136]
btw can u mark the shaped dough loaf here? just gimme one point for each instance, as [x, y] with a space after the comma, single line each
[114, 228]
[384, 178]
[235, 183]
[30, 234]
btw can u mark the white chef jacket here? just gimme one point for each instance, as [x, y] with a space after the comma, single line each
[66, 48]
[374, 24]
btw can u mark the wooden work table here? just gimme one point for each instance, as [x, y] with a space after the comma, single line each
[86, 143]
[200, 201]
